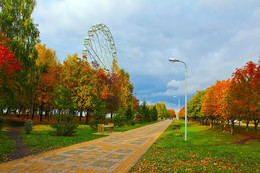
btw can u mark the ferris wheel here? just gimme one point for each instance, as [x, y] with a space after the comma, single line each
[99, 46]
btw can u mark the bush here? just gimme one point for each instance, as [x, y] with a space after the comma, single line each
[132, 122]
[119, 120]
[65, 129]
[28, 126]
[93, 124]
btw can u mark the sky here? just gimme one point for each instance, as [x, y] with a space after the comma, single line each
[213, 38]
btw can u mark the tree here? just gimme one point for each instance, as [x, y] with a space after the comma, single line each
[120, 90]
[48, 77]
[16, 23]
[154, 114]
[162, 110]
[194, 106]
[215, 102]
[208, 105]
[172, 112]
[245, 92]
[129, 114]
[144, 112]
[8, 70]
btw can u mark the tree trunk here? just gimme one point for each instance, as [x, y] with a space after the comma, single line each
[41, 110]
[232, 126]
[46, 114]
[19, 112]
[111, 115]
[222, 125]
[80, 114]
[33, 111]
[87, 117]
[247, 122]
[256, 123]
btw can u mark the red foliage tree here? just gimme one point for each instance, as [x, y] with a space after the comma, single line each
[245, 92]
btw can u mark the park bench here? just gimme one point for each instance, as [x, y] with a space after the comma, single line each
[101, 127]
[110, 127]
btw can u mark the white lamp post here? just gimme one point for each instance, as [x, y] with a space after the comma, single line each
[178, 108]
[175, 60]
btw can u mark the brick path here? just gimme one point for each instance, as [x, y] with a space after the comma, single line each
[115, 153]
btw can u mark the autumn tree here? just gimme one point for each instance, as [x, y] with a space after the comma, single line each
[48, 77]
[208, 105]
[245, 92]
[215, 104]
[171, 112]
[162, 110]
[120, 90]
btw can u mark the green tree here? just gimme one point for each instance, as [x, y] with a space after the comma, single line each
[17, 24]
[129, 114]
[162, 110]
[154, 113]
[194, 106]
[145, 112]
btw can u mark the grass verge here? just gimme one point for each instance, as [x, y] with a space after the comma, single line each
[205, 150]
[130, 127]
[7, 146]
[40, 139]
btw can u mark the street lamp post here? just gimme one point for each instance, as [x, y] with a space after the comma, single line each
[175, 60]
[178, 108]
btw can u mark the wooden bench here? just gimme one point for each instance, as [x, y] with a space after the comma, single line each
[101, 127]
[110, 126]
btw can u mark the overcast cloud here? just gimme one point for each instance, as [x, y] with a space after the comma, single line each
[213, 37]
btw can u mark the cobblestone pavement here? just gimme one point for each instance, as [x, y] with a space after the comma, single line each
[115, 153]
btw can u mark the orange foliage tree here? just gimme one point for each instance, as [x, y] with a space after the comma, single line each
[245, 92]
[48, 78]
[172, 112]
[215, 105]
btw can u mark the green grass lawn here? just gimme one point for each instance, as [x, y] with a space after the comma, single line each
[130, 127]
[205, 150]
[7, 145]
[40, 140]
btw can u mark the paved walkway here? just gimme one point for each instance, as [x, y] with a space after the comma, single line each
[115, 153]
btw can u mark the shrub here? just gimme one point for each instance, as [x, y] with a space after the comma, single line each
[132, 122]
[93, 124]
[119, 120]
[65, 129]
[28, 126]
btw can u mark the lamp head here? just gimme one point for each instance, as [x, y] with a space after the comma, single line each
[173, 60]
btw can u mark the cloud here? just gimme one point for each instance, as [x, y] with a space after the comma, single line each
[212, 37]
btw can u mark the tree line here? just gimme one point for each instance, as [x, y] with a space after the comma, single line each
[225, 101]
[34, 82]
[32, 78]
